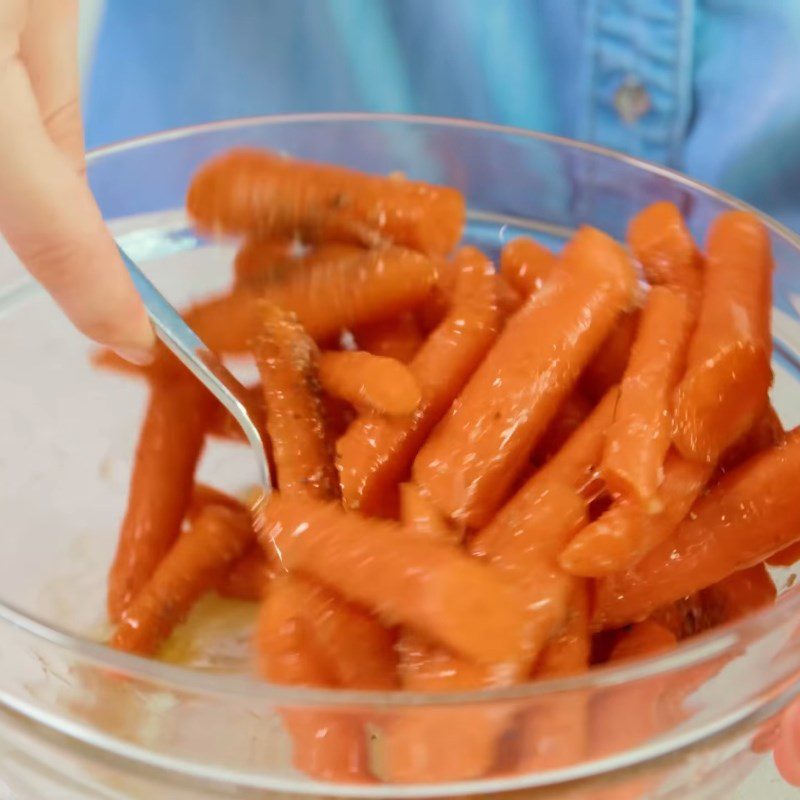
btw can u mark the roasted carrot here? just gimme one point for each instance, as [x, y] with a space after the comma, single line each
[526, 264]
[472, 459]
[161, 486]
[428, 586]
[398, 337]
[743, 520]
[574, 410]
[197, 560]
[611, 359]
[287, 360]
[643, 639]
[255, 192]
[639, 437]
[418, 513]
[728, 365]
[375, 454]
[248, 577]
[661, 242]
[258, 262]
[626, 532]
[371, 383]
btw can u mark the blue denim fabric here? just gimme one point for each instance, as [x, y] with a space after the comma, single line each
[711, 87]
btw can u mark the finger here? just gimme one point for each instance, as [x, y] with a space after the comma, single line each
[50, 219]
[49, 52]
[787, 751]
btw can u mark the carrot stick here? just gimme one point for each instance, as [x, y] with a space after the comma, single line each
[431, 587]
[728, 371]
[398, 337]
[683, 618]
[509, 300]
[526, 264]
[197, 560]
[257, 262]
[766, 432]
[170, 444]
[626, 532]
[738, 595]
[643, 639]
[639, 438]
[418, 513]
[375, 454]
[372, 383]
[248, 577]
[328, 296]
[472, 459]
[787, 557]
[662, 244]
[611, 359]
[248, 191]
[743, 520]
[287, 360]
[574, 410]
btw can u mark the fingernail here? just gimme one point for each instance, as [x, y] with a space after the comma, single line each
[140, 356]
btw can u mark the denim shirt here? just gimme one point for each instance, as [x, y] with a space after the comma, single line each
[711, 87]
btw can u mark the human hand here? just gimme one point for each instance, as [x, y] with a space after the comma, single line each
[47, 212]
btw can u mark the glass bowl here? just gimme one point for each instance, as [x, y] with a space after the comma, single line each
[77, 719]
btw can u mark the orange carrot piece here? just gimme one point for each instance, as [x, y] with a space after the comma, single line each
[195, 563]
[398, 337]
[728, 366]
[328, 295]
[162, 481]
[431, 587]
[418, 513]
[611, 359]
[626, 532]
[373, 383]
[375, 454]
[574, 410]
[787, 557]
[248, 191]
[472, 459]
[248, 578]
[766, 432]
[738, 595]
[639, 437]
[662, 244]
[644, 639]
[107, 360]
[526, 264]
[683, 618]
[258, 262]
[287, 359]
[509, 300]
[743, 520]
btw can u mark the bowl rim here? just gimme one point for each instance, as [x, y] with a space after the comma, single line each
[712, 644]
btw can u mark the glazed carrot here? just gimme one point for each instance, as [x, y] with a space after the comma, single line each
[611, 359]
[662, 244]
[738, 595]
[375, 454]
[643, 639]
[328, 295]
[109, 361]
[197, 560]
[471, 460]
[728, 366]
[435, 308]
[766, 431]
[574, 410]
[258, 262]
[161, 486]
[626, 532]
[287, 360]
[431, 587]
[398, 337]
[526, 264]
[683, 618]
[418, 513]
[373, 383]
[509, 300]
[639, 438]
[787, 557]
[743, 520]
[248, 578]
[255, 192]
[204, 495]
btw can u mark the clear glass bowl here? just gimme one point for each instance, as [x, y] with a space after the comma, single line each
[83, 721]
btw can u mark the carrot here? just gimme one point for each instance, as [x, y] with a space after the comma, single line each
[418, 513]
[526, 264]
[738, 595]
[662, 244]
[255, 192]
[375, 454]
[248, 577]
[431, 587]
[204, 495]
[639, 438]
[107, 360]
[198, 559]
[398, 337]
[643, 639]
[683, 618]
[787, 557]
[287, 361]
[372, 383]
[743, 520]
[170, 444]
[728, 366]
[574, 410]
[509, 300]
[766, 431]
[611, 359]
[329, 296]
[472, 459]
[257, 262]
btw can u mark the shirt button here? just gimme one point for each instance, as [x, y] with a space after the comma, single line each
[631, 100]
